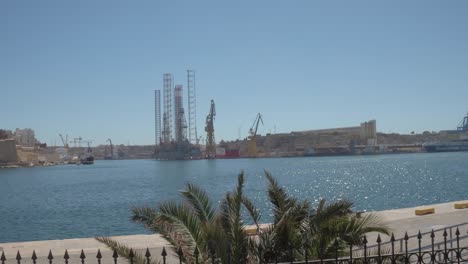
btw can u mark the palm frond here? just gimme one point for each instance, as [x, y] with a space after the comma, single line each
[124, 251]
[326, 212]
[253, 211]
[277, 195]
[180, 224]
[200, 202]
[146, 216]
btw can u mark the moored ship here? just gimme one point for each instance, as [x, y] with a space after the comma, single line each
[446, 146]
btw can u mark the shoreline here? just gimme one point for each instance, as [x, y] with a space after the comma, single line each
[17, 165]
[398, 220]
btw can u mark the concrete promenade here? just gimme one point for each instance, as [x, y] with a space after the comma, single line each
[399, 220]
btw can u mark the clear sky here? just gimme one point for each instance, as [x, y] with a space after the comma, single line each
[89, 68]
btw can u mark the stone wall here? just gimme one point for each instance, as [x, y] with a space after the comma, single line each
[8, 151]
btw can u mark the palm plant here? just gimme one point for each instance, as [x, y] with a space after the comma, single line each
[320, 231]
[195, 224]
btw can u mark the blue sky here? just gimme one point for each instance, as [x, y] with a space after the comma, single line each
[89, 68]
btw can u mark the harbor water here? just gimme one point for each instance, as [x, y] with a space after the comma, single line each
[71, 201]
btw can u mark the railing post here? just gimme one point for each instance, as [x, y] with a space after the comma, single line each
[34, 257]
[3, 258]
[115, 256]
[433, 257]
[379, 255]
[66, 256]
[291, 253]
[451, 243]
[393, 258]
[99, 256]
[212, 251]
[18, 257]
[457, 233]
[50, 257]
[164, 254]
[406, 247]
[306, 252]
[364, 241]
[445, 246]
[180, 253]
[131, 255]
[336, 250]
[419, 247]
[350, 253]
[438, 254]
[147, 256]
[196, 253]
[82, 257]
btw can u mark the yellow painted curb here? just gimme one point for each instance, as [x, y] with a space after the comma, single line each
[460, 205]
[424, 211]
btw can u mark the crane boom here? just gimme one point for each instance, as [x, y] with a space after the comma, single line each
[209, 128]
[252, 142]
[64, 141]
[109, 156]
[255, 124]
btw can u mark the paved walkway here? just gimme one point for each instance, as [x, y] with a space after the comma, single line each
[399, 220]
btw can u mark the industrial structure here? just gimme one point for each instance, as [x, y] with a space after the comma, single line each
[463, 126]
[209, 128]
[192, 107]
[171, 141]
[252, 142]
[157, 117]
[167, 115]
[109, 152]
[180, 122]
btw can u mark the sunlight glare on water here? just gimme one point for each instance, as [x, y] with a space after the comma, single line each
[85, 201]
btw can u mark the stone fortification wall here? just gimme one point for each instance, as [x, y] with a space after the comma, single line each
[8, 151]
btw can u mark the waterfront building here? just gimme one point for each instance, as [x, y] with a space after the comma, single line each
[25, 137]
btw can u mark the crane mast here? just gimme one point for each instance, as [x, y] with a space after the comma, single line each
[109, 155]
[252, 141]
[64, 141]
[209, 128]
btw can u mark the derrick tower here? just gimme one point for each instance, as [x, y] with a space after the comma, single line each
[192, 107]
[157, 117]
[180, 122]
[167, 116]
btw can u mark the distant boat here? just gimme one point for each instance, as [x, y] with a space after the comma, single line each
[88, 158]
[446, 146]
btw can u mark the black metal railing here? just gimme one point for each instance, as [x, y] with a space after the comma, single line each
[435, 253]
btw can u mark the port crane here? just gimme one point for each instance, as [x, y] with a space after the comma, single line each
[64, 141]
[110, 155]
[251, 140]
[77, 140]
[463, 124]
[209, 128]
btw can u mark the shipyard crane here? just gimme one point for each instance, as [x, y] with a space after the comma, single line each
[110, 155]
[252, 142]
[64, 141]
[463, 124]
[209, 128]
[77, 140]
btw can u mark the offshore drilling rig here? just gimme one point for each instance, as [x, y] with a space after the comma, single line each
[173, 144]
